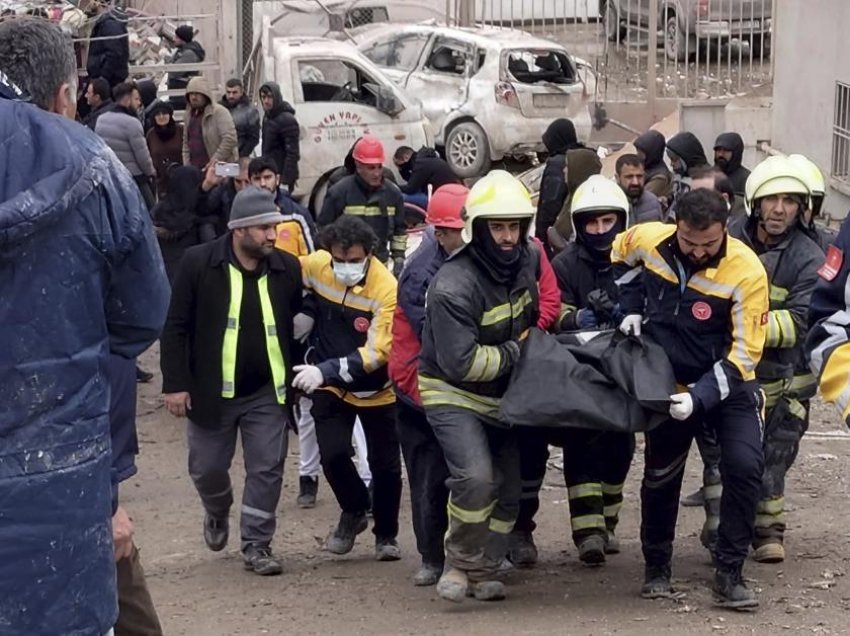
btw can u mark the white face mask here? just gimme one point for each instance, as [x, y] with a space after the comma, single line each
[349, 274]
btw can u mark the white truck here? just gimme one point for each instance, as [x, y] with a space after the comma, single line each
[338, 95]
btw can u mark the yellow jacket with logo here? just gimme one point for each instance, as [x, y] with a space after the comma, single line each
[352, 335]
[710, 320]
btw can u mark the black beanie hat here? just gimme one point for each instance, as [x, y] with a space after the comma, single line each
[185, 33]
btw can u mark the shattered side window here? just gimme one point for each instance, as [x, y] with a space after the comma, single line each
[530, 66]
[407, 51]
[447, 57]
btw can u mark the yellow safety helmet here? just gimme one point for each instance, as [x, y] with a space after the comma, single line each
[497, 195]
[776, 175]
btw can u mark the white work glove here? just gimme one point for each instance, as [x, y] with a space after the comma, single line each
[302, 325]
[631, 324]
[309, 378]
[682, 407]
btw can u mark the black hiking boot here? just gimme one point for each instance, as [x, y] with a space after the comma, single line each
[656, 582]
[731, 592]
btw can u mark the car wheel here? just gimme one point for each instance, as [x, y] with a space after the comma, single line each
[614, 31]
[675, 40]
[467, 150]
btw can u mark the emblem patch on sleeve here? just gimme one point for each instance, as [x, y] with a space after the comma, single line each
[832, 265]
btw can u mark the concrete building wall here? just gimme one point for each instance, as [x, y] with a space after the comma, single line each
[809, 58]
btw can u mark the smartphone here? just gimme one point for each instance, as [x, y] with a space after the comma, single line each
[226, 169]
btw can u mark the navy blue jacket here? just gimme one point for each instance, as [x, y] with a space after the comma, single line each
[80, 276]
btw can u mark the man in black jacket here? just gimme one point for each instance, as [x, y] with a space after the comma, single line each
[226, 365]
[188, 51]
[99, 99]
[421, 169]
[109, 48]
[685, 153]
[728, 154]
[559, 138]
[367, 194]
[280, 133]
[246, 118]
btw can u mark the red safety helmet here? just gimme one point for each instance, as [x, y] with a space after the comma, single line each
[446, 206]
[369, 150]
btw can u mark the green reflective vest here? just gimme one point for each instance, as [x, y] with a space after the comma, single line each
[231, 338]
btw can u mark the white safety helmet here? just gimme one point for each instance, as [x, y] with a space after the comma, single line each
[776, 175]
[598, 195]
[497, 195]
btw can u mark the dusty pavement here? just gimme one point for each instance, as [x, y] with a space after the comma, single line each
[198, 592]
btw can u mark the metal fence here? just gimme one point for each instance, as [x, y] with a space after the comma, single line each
[644, 49]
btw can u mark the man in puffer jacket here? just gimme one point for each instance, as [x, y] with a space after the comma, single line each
[122, 131]
[280, 133]
[80, 277]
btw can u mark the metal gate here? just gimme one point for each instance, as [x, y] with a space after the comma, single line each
[647, 49]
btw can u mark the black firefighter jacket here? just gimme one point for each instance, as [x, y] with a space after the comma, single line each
[792, 271]
[382, 209]
[580, 277]
[281, 136]
[472, 324]
[194, 331]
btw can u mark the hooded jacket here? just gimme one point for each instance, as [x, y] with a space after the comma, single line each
[429, 168]
[659, 179]
[81, 276]
[689, 150]
[281, 136]
[559, 138]
[124, 134]
[219, 132]
[734, 170]
[581, 164]
[109, 57]
[186, 53]
[792, 271]
[246, 118]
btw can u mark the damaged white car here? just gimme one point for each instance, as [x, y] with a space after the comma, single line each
[488, 92]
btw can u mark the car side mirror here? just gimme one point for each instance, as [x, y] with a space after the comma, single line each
[386, 101]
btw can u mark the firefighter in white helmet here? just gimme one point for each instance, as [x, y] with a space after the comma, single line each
[777, 196]
[480, 306]
[823, 235]
[595, 463]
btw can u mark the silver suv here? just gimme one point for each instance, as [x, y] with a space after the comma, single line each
[689, 23]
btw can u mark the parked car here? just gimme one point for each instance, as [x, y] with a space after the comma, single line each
[488, 92]
[338, 95]
[331, 17]
[689, 23]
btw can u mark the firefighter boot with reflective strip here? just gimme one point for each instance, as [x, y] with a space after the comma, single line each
[712, 492]
[612, 500]
[586, 511]
[770, 531]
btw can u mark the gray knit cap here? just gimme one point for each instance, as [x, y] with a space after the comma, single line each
[253, 206]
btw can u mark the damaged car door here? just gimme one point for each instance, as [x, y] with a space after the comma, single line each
[441, 82]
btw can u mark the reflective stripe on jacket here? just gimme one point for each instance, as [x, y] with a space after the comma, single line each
[472, 324]
[231, 338]
[712, 323]
[353, 331]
